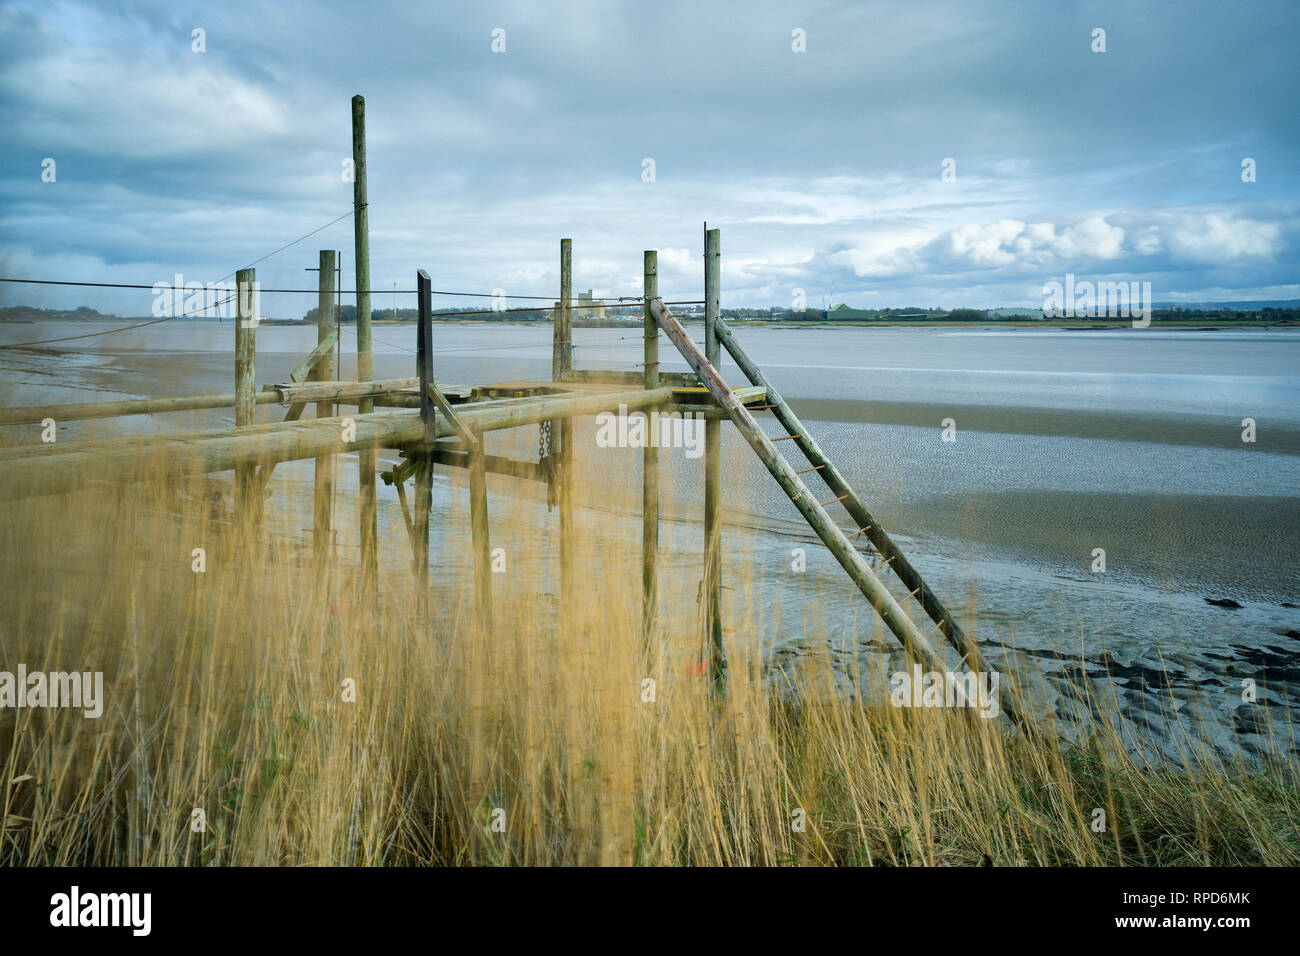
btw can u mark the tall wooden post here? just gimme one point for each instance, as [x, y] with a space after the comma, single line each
[324, 372]
[424, 470]
[561, 362]
[650, 463]
[365, 360]
[712, 462]
[247, 497]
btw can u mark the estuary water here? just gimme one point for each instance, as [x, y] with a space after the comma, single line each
[1063, 444]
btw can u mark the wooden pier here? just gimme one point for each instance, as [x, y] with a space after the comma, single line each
[434, 423]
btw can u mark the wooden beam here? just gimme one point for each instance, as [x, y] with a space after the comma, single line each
[612, 377]
[467, 436]
[324, 347]
[205, 452]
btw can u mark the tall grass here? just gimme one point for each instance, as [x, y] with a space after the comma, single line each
[227, 693]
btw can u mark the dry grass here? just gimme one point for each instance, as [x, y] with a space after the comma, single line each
[225, 693]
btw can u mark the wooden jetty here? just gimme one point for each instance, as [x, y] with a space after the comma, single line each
[435, 423]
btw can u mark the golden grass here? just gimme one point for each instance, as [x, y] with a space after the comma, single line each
[225, 694]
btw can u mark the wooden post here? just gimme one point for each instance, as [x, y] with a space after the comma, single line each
[650, 464]
[424, 472]
[246, 493]
[561, 361]
[365, 360]
[326, 331]
[712, 463]
[479, 532]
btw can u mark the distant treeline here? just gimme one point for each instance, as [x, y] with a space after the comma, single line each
[1267, 314]
[629, 316]
[29, 313]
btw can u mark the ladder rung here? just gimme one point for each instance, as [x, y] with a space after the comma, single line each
[784, 437]
[804, 471]
[859, 531]
[882, 564]
[833, 500]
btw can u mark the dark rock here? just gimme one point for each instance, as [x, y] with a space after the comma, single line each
[1229, 603]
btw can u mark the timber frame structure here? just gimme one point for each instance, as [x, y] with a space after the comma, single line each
[433, 423]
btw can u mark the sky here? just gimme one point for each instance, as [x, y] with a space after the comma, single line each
[877, 153]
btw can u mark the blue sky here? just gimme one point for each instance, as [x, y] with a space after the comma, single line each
[822, 168]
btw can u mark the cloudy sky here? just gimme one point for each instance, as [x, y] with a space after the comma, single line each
[822, 168]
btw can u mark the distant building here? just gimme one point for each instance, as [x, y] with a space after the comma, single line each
[590, 307]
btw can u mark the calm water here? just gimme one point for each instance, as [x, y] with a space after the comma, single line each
[1066, 441]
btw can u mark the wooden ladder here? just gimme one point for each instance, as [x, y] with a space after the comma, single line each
[814, 512]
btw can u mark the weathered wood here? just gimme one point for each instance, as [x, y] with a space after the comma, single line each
[247, 490]
[562, 453]
[467, 436]
[857, 510]
[423, 507]
[612, 377]
[494, 464]
[424, 348]
[850, 558]
[197, 453]
[365, 360]
[480, 539]
[429, 418]
[82, 411]
[712, 584]
[340, 393]
[650, 464]
[324, 347]
[327, 335]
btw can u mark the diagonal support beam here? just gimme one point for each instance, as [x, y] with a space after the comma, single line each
[303, 369]
[444, 406]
